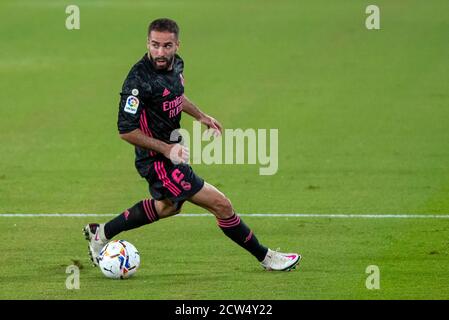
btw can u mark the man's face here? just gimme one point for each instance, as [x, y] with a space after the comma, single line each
[162, 47]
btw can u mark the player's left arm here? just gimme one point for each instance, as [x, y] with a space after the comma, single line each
[191, 109]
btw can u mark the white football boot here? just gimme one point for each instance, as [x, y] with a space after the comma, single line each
[278, 261]
[94, 233]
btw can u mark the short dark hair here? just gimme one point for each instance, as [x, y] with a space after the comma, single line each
[164, 24]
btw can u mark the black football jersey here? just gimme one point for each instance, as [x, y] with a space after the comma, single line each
[151, 100]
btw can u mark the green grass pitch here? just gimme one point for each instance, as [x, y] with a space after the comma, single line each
[363, 129]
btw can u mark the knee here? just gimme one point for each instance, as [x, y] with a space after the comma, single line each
[168, 211]
[223, 207]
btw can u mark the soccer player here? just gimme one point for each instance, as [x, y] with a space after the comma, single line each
[152, 100]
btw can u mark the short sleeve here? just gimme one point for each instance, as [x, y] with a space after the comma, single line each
[130, 106]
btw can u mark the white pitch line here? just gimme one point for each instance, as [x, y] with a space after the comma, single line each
[263, 215]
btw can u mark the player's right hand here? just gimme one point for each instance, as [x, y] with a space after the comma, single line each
[177, 153]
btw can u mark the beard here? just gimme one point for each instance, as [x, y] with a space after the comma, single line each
[162, 63]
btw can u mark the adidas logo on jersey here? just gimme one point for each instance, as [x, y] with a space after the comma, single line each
[166, 92]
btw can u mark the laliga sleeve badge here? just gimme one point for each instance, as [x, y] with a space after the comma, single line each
[131, 105]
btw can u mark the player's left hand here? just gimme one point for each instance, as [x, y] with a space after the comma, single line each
[212, 123]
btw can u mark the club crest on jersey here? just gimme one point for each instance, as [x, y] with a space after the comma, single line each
[131, 105]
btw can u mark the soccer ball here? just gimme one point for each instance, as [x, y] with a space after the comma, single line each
[119, 259]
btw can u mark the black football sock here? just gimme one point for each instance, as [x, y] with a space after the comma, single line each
[143, 212]
[239, 232]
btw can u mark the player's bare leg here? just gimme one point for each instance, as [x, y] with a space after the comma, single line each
[142, 213]
[211, 199]
[165, 208]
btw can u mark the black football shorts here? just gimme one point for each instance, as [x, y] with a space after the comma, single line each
[174, 182]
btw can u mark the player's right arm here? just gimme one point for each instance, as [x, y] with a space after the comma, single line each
[139, 139]
[175, 152]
